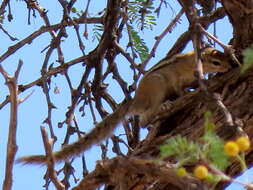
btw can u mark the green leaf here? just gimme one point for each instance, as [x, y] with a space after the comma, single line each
[2, 19]
[97, 31]
[214, 150]
[208, 125]
[139, 45]
[180, 148]
[213, 146]
[73, 10]
[141, 14]
[208, 148]
[247, 58]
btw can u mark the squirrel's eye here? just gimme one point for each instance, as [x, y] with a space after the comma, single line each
[216, 63]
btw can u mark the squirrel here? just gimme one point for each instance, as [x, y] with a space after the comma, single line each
[167, 77]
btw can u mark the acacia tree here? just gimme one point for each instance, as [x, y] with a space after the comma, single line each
[230, 104]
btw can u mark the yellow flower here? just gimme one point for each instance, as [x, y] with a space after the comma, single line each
[201, 172]
[231, 148]
[181, 172]
[243, 143]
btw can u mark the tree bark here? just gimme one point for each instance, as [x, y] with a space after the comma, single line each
[240, 14]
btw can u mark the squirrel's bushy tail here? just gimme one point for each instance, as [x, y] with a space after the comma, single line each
[101, 131]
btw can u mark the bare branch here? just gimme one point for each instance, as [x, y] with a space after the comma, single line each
[227, 48]
[11, 145]
[21, 100]
[3, 6]
[50, 160]
[12, 49]
[168, 29]
[7, 33]
[20, 64]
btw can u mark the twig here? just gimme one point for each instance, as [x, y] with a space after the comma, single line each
[66, 9]
[50, 160]
[84, 16]
[12, 49]
[21, 100]
[126, 55]
[161, 36]
[5, 102]
[44, 86]
[88, 88]
[205, 21]
[85, 170]
[3, 6]
[225, 177]
[123, 84]
[20, 64]
[227, 48]
[158, 9]
[53, 71]
[7, 33]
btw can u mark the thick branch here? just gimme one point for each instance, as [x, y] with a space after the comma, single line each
[11, 145]
[115, 170]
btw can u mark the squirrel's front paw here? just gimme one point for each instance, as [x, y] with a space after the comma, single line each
[165, 106]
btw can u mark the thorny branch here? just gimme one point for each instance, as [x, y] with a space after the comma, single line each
[12, 49]
[50, 73]
[3, 6]
[6, 32]
[50, 160]
[96, 56]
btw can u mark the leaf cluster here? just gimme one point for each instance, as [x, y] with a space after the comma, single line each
[181, 149]
[208, 148]
[97, 32]
[138, 44]
[141, 13]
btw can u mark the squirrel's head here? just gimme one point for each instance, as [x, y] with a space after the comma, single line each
[215, 61]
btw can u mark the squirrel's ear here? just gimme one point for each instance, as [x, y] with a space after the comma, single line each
[204, 48]
[212, 52]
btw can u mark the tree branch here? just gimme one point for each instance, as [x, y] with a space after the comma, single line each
[11, 149]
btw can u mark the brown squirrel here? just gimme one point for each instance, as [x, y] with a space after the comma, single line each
[169, 76]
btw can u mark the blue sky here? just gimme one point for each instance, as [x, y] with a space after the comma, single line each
[33, 111]
[245, 178]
